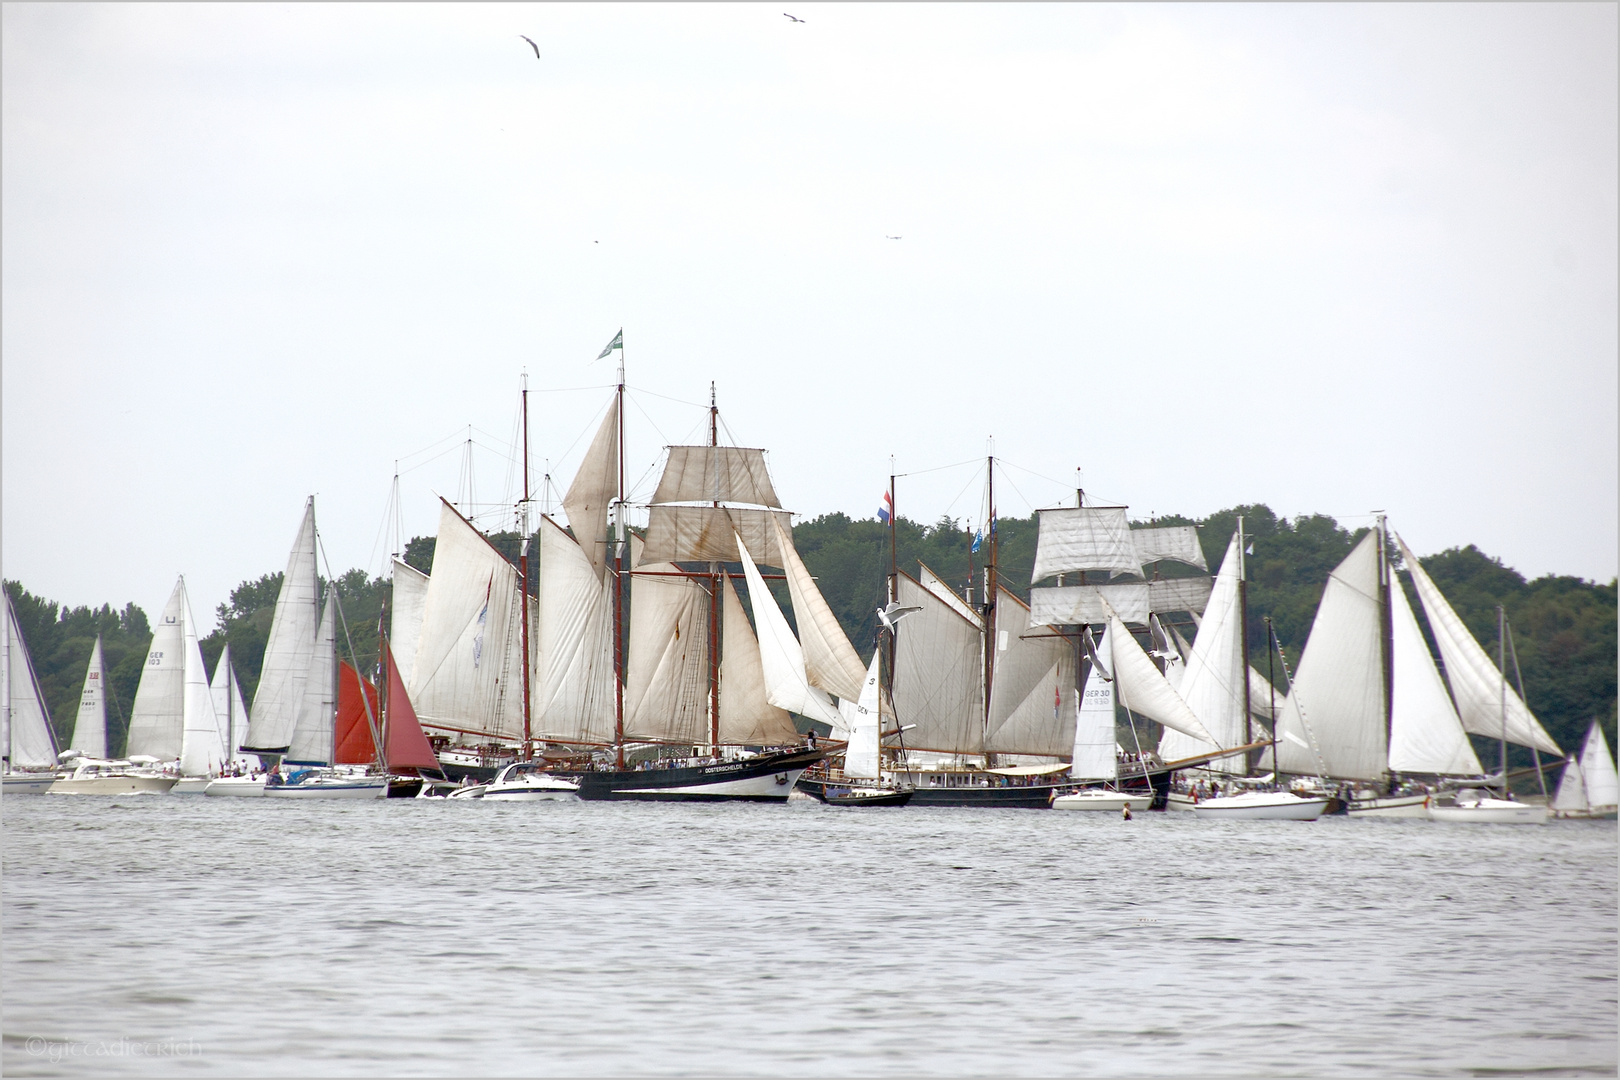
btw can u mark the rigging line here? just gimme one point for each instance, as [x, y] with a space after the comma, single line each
[1021, 494]
[650, 420]
[451, 449]
[952, 505]
[666, 397]
[941, 468]
[457, 435]
[572, 389]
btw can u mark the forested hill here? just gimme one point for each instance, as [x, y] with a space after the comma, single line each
[1565, 628]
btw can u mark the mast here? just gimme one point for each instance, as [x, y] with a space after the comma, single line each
[715, 614]
[1271, 681]
[5, 681]
[618, 581]
[1501, 663]
[1386, 636]
[894, 562]
[523, 574]
[1518, 678]
[990, 591]
[1243, 636]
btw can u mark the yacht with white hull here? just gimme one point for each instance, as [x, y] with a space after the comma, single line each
[1261, 806]
[96, 776]
[1476, 806]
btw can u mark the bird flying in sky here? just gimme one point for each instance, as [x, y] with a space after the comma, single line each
[886, 236]
[532, 45]
[792, 17]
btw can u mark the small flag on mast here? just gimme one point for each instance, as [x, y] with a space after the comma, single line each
[616, 343]
[978, 538]
[886, 508]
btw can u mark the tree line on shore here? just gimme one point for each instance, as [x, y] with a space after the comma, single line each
[1565, 628]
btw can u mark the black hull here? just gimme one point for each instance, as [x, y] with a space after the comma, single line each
[888, 798]
[1031, 797]
[750, 780]
[478, 774]
[404, 787]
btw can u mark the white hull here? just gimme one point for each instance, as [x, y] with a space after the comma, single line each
[238, 786]
[1492, 812]
[1179, 801]
[768, 786]
[24, 784]
[1391, 806]
[1111, 801]
[191, 785]
[515, 794]
[1598, 814]
[113, 785]
[360, 787]
[1261, 806]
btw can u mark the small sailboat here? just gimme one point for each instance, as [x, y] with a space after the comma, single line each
[26, 736]
[1590, 787]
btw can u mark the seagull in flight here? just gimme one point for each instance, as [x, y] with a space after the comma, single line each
[794, 18]
[532, 45]
[893, 613]
[886, 236]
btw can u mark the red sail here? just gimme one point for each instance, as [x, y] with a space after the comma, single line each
[353, 743]
[407, 747]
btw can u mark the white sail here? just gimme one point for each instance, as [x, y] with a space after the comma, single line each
[1094, 744]
[711, 533]
[1142, 688]
[1175, 542]
[1265, 702]
[830, 661]
[1134, 601]
[1032, 696]
[28, 740]
[313, 733]
[1340, 684]
[467, 676]
[1476, 684]
[90, 727]
[287, 653]
[781, 659]
[1589, 783]
[942, 589]
[938, 674]
[228, 708]
[864, 719]
[1425, 735]
[666, 694]
[202, 750]
[1571, 794]
[591, 494]
[723, 474]
[405, 616]
[1084, 538]
[158, 716]
[573, 676]
[1213, 683]
[747, 716]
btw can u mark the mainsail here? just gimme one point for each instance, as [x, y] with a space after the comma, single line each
[591, 494]
[27, 738]
[1589, 783]
[1094, 744]
[358, 709]
[1212, 684]
[90, 727]
[1032, 695]
[405, 613]
[942, 589]
[228, 708]
[572, 686]
[864, 717]
[666, 693]
[1476, 684]
[157, 719]
[311, 742]
[938, 674]
[290, 648]
[202, 750]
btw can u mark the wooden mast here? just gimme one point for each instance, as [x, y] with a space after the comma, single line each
[618, 580]
[1386, 637]
[523, 576]
[715, 612]
[1501, 663]
[989, 597]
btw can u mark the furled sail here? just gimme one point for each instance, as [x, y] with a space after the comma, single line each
[1425, 735]
[747, 716]
[716, 474]
[1062, 605]
[1093, 756]
[467, 676]
[1213, 683]
[228, 708]
[1142, 688]
[312, 735]
[666, 694]
[1476, 684]
[158, 716]
[405, 613]
[1084, 538]
[710, 534]
[1032, 697]
[1175, 542]
[781, 658]
[864, 718]
[291, 644]
[938, 674]
[573, 677]
[202, 749]
[28, 740]
[1336, 706]
[90, 728]
[830, 661]
[942, 589]
[591, 494]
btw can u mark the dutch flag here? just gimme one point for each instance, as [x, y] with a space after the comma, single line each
[886, 508]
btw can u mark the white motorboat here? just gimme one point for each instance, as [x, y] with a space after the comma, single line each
[238, 786]
[527, 781]
[1261, 806]
[1368, 805]
[27, 783]
[438, 789]
[1476, 806]
[1103, 799]
[326, 784]
[96, 776]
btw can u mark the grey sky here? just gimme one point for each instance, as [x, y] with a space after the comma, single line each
[1330, 257]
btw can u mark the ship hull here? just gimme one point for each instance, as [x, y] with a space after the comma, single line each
[240, 787]
[113, 785]
[766, 778]
[24, 784]
[1391, 806]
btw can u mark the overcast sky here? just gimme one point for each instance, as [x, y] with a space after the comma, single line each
[1333, 258]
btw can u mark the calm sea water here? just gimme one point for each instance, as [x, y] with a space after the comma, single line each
[166, 935]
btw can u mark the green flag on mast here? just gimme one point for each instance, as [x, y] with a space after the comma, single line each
[616, 343]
